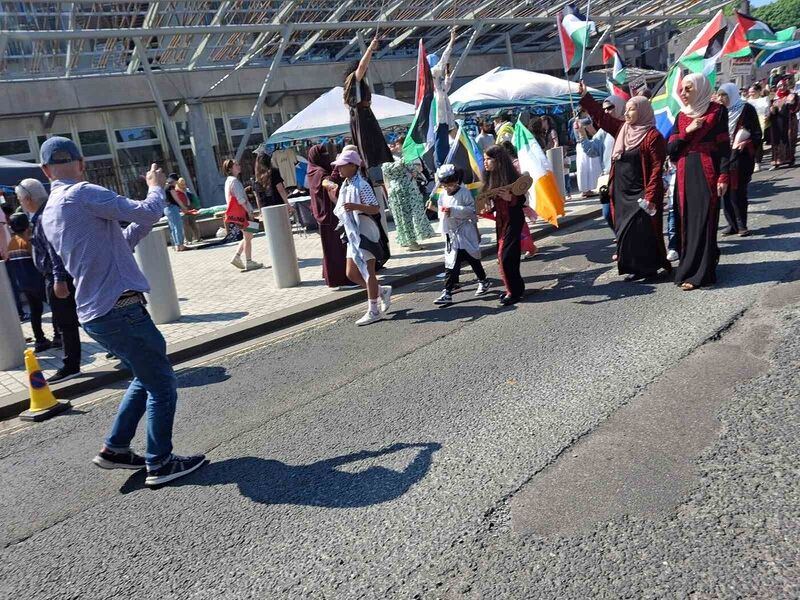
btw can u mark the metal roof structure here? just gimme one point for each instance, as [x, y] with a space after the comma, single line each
[79, 39]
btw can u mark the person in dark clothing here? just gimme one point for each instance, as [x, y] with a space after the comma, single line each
[700, 147]
[59, 287]
[509, 218]
[24, 274]
[268, 187]
[364, 127]
[323, 201]
[636, 186]
[745, 137]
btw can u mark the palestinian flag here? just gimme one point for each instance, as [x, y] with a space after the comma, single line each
[573, 33]
[465, 154]
[755, 30]
[703, 53]
[776, 52]
[420, 137]
[619, 73]
[737, 45]
[616, 90]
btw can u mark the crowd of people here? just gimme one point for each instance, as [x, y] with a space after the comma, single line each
[72, 248]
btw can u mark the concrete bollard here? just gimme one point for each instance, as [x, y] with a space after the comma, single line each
[556, 158]
[280, 245]
[12, 341]
[152, 256]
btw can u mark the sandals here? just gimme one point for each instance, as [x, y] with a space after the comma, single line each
[688, 287]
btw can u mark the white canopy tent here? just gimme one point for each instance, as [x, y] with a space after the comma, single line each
[328, 116]
[507, 88]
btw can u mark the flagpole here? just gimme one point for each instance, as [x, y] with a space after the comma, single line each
[583, 50]
[564, 62]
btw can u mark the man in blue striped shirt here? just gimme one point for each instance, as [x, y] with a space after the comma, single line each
[82, 222]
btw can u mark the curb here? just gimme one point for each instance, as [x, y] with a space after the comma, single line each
[13, 404]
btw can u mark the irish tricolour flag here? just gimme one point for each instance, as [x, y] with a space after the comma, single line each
[545, 195]
[574, 35]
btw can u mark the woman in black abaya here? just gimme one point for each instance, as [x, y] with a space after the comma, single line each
[700, 147]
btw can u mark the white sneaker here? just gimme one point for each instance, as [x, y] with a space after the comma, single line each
[237, 262]
[252, 265]
[370, 317]
[444, 299]
[672, 256]
[385, 297]
[757, 168]
[483, 287]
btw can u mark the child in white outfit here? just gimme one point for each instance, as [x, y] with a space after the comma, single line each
[459, 226]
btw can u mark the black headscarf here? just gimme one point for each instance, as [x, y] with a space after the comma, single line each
[319, 167]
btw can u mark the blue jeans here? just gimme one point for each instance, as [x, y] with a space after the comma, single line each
[441, 144]
[173, 214]
[673, 229]
[130, 334]
[606, 208]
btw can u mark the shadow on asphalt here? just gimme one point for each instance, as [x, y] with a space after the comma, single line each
[322, 483]
[200, 376]
[581, 284]
[466, 306]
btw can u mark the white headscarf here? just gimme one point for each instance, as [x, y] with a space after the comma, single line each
[735, 107]
[701, 103]
[618, 103]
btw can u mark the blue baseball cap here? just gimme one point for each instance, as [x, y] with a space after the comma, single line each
[58, 151]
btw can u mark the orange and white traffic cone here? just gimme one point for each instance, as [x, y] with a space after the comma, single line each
[43, 403]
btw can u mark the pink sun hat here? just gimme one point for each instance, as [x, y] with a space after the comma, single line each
[347, 157]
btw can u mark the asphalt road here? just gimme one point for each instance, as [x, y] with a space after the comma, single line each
[601, 439]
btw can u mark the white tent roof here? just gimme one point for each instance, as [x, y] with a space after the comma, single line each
[506, 88]
[328, 116]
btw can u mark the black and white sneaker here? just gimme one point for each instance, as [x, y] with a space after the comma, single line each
[445, 299]
[483, 287]
[63, 374]
[175, 467]
[119, 460]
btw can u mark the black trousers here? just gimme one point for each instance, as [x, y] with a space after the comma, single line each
[451, 275]
[65, 317]
[36, 304]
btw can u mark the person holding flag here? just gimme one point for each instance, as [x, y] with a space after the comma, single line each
[364, 126]
[602, 144]
[636, 185]
[700, 147]
[442, 77]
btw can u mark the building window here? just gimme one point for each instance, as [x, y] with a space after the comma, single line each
[14, 147]
[240, 124]
[253, 141]
[273, 122]
[222, 137]
[136, 134]
[94, 142]
[184, 133]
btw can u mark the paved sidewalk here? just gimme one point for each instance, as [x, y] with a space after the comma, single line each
[214, 295]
